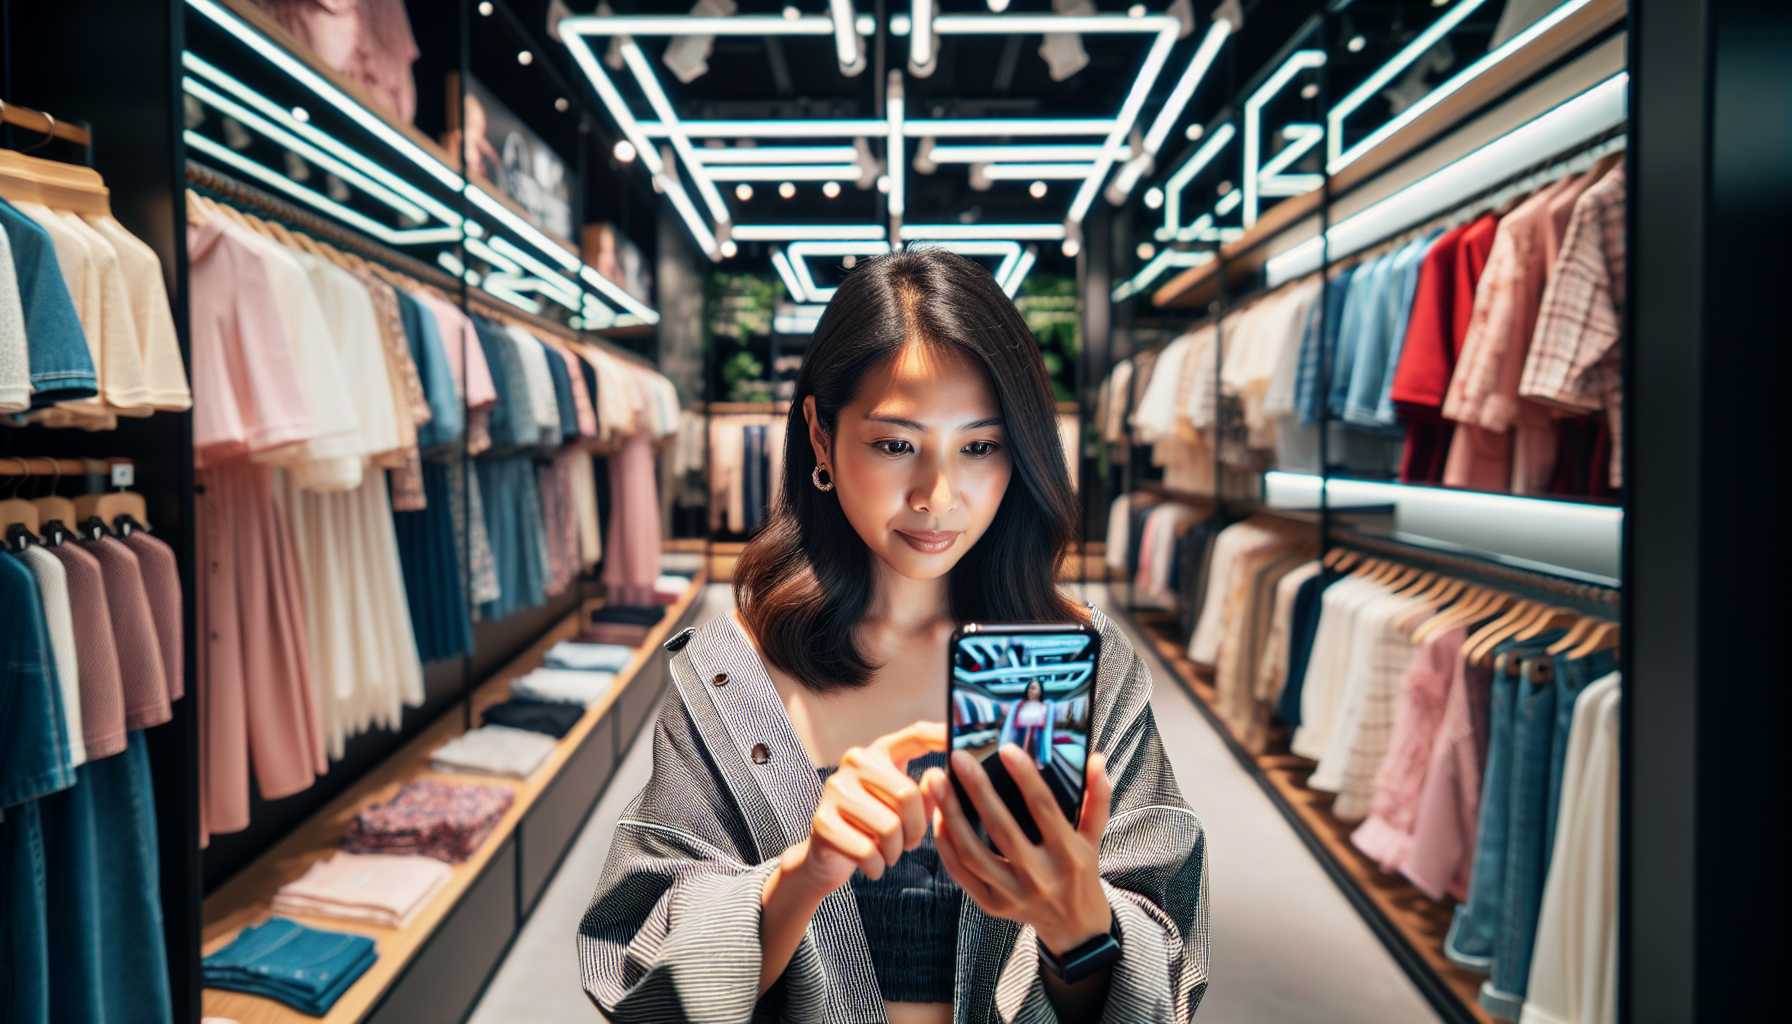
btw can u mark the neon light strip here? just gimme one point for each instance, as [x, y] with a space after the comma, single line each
[795, 232]
[1022, 267]
[781, 263]
[1039, 172]
[662, 106]
[1601, 107]
[1455, 82]
[799, 253]
[619, 296]
[1020, 127]
[923, 44]
[1022, 232]
[1008, 249]
[996, 154]
[778, 155]
[1216, 37]
[1129, 112]
[493, 256]
[897, 162]
[1228, 203]
[839, 128]
[276, 180]
[734, 25]
[560, 288]
[1178, 258]
[1385, 74]
[1186, 173]
[1024, 24]
[1298, 61]
[796, 172]
[1304, 137]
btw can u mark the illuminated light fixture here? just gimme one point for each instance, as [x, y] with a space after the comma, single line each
[493, 256]
[624, 150]
[849, 48]
[799, 253]
[743, 192]
[1168, 259]
[485, 8]
[807, 128]
[790, 324]
[451, 263]
[1019, 232]
[781, 263]
[899, 24]
[1008, 249]
[999, 154]
[792, 14]
[1071, 247]
[1302, 138]
[1309, 91]
[810, 232]
[1297, 62]
[1136, 11]
[1047, 172]
[618, 295]
[998, 6]
[773, 172]
[1036, 190]
[1146, 250]
[1227, 203]
[662, 107]
[729, 249]
[898, 169]
[559, 288]
[787, 190]
[1356, 43]
[1186, 173]
[923, 44]
[1337, 157]
[1013, 127]
[299, 114]
[1166, 28]
[883, 183]
[1022, 267]
[849, 261]
[608, 25]
[779, 155]
[1154, 198]
[310, 197]
[1598, 109]
[1045, 24]
[525, 58]
[831, 189]
[1197, 69]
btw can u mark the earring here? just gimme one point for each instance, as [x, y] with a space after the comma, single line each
[815, 477]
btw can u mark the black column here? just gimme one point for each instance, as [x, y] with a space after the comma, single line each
[1704, 812]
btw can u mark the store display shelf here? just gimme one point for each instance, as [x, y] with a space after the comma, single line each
[247, 897]
[1409, 924]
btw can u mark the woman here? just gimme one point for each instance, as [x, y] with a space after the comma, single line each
[1029, 720]
[924, 485]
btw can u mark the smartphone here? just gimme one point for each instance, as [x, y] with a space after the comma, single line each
[1030, 684]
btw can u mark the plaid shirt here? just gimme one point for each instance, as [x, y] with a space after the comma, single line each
[1573, 361]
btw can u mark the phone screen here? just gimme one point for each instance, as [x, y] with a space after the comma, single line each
[1032, 686]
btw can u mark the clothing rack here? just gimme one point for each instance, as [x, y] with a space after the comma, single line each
[1552, 584]
[48, 126]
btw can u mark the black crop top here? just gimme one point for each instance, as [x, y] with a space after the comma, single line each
[911, 916]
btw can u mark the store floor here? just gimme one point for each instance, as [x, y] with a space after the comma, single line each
[1286, 944]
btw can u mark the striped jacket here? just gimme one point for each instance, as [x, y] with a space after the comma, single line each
[672, 932]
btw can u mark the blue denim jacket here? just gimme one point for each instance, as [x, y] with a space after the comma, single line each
[56, 347]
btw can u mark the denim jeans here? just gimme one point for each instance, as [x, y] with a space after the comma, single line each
[1476, 924]
[1571, 678]
[25, 931]
[110, 959]
[305, 968]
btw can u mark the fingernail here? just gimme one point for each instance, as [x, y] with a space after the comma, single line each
[962, 761]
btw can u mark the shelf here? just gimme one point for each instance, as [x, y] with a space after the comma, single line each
[1411, 925]
[247, 897]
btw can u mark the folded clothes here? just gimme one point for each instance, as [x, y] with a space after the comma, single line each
[382, 889]
[444, 820]
[632, 614]
[672, 582]
[550, 718]
[573, 654]
[494, 750]
[306, 968]
[563, 686]
[618, 633]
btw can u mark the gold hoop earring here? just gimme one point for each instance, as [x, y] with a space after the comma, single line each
[816, 478]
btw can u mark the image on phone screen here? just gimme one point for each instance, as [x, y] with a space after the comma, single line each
[1033, 689]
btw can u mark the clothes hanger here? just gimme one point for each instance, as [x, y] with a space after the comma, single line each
[52, 505]
[109, 505]
[1481, 645]
[1550, 618]
[15, 511]
[1576, 634]
[1603, 637]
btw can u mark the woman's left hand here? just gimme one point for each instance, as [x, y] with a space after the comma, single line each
[1053, 885]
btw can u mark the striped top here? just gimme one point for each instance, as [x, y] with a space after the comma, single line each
[672, 930]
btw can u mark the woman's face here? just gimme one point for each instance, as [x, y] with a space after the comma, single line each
[1033, 690]
[919, 459]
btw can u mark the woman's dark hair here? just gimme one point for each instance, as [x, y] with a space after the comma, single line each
[804, 582]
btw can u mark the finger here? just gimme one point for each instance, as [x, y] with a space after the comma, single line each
[997, 821]
[953, 860]
[1054, 827]
[837, 832]
[894, 789]
[1098, 799]
[971, 849]
[912, 741]
[882, 825]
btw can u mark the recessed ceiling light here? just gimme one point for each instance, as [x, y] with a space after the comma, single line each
[998, 6]
[791, 13]
[849, 261]
[1194, 132]
[624, 150]
[561, 105]
[301, 115]
[1070, 247]
[1136, 11]
[1310, 90]
[787, 190]
[1147, 250]
[525, 58]
[485, 8]
[729, 249]
[1154, 198]
[831, 189]
[883, 183]
[1224, 187]
[1356, 44]
[743, 191]
[1036, 190]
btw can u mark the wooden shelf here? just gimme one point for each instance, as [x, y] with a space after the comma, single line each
[1420, 922]
[247, 897]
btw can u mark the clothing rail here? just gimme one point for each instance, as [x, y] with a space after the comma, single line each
[1539, 582]
[48, 126]
[40, 466]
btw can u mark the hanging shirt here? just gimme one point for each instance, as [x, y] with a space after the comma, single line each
[60, 360]
[52, 590]
[164, 376]
[15, 361]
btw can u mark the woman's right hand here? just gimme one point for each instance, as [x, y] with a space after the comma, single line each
[870, 810]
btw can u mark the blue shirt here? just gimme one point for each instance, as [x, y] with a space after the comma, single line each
[56, 348]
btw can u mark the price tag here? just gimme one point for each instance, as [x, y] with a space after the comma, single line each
[123, 474]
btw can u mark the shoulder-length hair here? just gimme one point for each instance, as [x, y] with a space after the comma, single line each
[805, 581]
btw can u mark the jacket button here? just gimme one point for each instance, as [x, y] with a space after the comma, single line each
[721, 679]
[679, 639]
[761, 753]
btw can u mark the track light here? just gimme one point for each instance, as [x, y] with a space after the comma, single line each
[1356, 43]
[883, 183]
[998, 6]
[1193, 132]
[687, 57]
[1063, 52]
[300, 115]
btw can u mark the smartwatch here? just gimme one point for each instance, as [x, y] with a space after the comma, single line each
[1087, 958]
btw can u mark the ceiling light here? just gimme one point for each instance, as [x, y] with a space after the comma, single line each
[883, 183]
[952, 232]
[894, 143]
[791, 13]
[998, 6]
[923, 42]
[1154, 198]
[1309, 91]
[1224, 187]
[1036, 190]
[485, 8]
[1356, 44]
[849, 48]
[779, 172]
[300, 115]
[743, 192]
[1136, 11]
[729, 249]
[1146, 250]
[687, 55]
[793, 232]
[787, 190]
[624, 150]
[831, 189]
[1063, 52]
[1193, 132]
[525, 58]
[1297, 62]
[849, 261]
[1070, 247]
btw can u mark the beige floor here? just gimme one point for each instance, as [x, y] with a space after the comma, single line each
[1286, 944]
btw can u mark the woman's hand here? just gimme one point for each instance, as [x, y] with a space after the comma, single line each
[870, 811]
[1053, 885]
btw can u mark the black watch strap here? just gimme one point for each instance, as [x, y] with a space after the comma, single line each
[1088, 957]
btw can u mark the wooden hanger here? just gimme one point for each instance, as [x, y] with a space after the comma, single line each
[1550, 618]
[1467, 609]
[1576, 634]
[13, 510]
[52, 505]
[1480, 646]
[109, 505]
[1602, 637]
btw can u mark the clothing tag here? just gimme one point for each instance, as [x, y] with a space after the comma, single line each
[124, 474]
[1540, 671]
